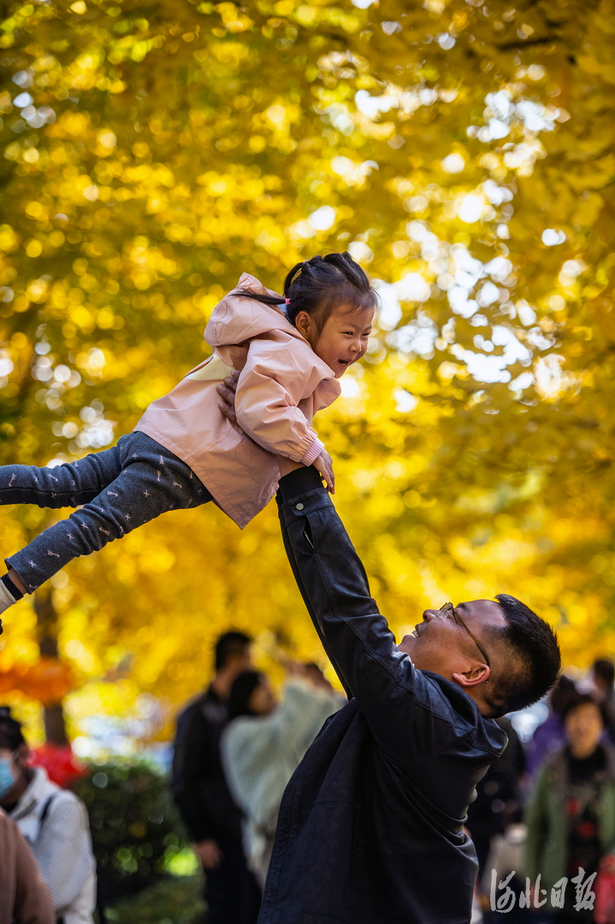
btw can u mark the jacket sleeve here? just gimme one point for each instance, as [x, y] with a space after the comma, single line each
[270, 386]
[408, 714]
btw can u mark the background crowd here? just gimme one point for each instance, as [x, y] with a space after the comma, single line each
[546, 808]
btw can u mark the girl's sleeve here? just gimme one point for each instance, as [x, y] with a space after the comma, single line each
[271, 385]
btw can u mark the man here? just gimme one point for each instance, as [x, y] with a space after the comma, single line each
[371, 824]
[199, 788]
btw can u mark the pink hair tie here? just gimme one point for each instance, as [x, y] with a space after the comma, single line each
[287, 300]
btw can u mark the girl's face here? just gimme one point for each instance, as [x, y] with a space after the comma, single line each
[343, 339]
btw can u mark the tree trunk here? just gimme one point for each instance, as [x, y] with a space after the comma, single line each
[47, 625]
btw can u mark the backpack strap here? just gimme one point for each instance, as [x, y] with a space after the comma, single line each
[45, 812]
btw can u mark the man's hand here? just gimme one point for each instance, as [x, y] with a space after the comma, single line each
[324, 465]
[209, 854]
[226, 390]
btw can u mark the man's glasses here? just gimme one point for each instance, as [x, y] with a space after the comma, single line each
[449, 610]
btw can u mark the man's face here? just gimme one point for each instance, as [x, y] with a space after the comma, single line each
[442, 645]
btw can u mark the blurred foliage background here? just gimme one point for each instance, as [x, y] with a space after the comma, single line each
[136, 832]
[464, 152]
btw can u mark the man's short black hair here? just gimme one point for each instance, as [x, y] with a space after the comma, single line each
[604, 670]
[535, 658]
[230, 645]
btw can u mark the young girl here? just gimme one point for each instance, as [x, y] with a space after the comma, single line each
[184, 452]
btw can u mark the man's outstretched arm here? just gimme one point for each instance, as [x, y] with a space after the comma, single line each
[354, 633]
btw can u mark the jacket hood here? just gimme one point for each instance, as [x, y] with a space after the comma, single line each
[238, 318]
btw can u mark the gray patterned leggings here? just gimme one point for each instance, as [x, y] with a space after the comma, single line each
[120, 488]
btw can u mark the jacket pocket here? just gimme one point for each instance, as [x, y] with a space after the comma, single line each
[259, 464]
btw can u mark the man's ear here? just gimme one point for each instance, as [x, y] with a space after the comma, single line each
[472, 677]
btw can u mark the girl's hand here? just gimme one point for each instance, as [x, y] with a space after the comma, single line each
[324, 465]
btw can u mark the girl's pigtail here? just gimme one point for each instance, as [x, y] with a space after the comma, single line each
[317, 285]
[266, 299]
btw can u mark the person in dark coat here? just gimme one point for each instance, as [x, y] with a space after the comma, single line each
[200, 791]
[371, 826]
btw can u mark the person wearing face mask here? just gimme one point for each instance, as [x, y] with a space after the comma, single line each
[55, 824]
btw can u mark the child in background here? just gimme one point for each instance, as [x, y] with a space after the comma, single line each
[289, 351]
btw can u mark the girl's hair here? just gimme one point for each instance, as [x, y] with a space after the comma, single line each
[243, 687]
[11, 735]
[318, 285]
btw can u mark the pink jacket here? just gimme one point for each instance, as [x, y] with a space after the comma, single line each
[282, 384]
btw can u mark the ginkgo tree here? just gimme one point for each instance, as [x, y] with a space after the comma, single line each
[464, 152]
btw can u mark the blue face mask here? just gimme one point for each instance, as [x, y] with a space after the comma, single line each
[6, 776]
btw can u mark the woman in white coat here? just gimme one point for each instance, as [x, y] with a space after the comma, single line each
[265, 742]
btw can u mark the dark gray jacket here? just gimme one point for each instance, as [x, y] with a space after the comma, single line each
[371, 824]
[198, 784]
